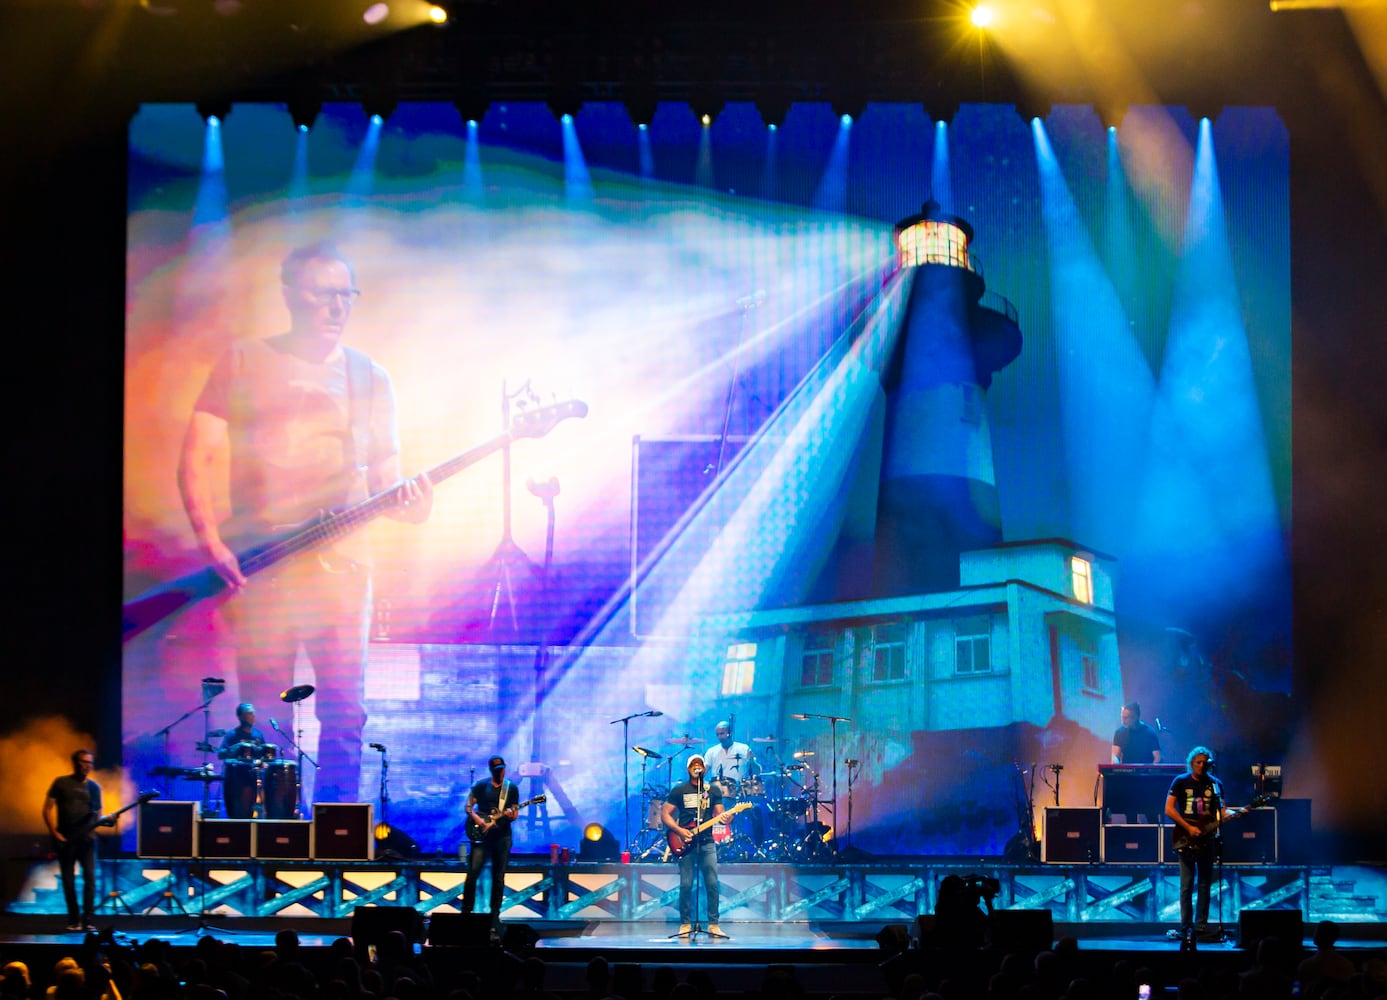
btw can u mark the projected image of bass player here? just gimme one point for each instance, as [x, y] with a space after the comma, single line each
[304, 425]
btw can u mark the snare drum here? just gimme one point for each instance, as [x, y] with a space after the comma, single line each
[729, 788]
[753, 788]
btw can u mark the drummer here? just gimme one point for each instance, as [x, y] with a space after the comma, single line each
[244, 733]
[729, 763]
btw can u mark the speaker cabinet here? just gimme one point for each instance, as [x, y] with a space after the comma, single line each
[1250, 839]
[226, 838]
[1293, 845]
[343, 832]
[893, 938]
[370, 925]
[1132, 844]
[167, 830]
[284, 839]
[460, 930]
[1287, 926]
[1071, 836]
[1022, 930]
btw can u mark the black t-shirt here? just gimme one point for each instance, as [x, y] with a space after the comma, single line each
[79, 802]
[489, 800]
[1137, 745]
[1198, 800]
[689, 800]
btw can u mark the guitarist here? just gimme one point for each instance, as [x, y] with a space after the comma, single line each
[491, 806]
[302, 425]
[72, 812]
[690, 805]
[1195, 805]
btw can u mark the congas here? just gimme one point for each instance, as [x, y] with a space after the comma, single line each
[729, 787]
[753, 787]
[281, 789]
[267, 752]
[238, 789]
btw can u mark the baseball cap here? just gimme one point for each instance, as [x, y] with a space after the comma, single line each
[495, 762]
[696, 757]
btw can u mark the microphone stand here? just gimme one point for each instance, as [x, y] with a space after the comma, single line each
[298, 778]
[833, 721]
[167, 731]
[626, 771]
[852, 764]
[384, 788]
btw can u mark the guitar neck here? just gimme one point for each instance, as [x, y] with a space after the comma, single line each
[347, 520]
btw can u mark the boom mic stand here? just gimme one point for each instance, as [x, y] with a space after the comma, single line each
[298, 778]
[833, 721]
[626, 770]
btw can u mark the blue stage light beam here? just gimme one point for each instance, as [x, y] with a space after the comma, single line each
[472, 184]
[1105, 383]
[210, 208]
[770, 165]
[647, 157]
[941, 179]
[832, 193]
[362, 180]
[703, 166]
[1208, 515]
[577, 179]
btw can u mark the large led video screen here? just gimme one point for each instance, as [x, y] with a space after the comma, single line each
[910, 450]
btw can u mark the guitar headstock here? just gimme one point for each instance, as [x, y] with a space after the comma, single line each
[538, 422]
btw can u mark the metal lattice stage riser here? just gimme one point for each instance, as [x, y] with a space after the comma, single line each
[767, 892]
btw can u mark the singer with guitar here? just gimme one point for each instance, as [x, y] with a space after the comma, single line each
[492, 806]
[302, 425]
[72, 812]
[686, 814]
[1195, 805]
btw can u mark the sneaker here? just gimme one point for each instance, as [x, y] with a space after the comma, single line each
[715, 930]
[89, 928]
[74, 925]
[685, 930]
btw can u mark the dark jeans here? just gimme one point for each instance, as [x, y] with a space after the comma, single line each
[499, 853]
[72, 853]
[1202, 864]
[705, 856]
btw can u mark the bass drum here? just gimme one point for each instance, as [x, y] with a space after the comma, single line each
[281, 789]
[238, 790]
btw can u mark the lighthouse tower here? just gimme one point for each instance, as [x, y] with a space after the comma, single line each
[938, 491]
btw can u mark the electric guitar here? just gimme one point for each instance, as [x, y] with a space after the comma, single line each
[1188, 845]
[92, 822]
[259, 546]
[476, 834]
[678, 845]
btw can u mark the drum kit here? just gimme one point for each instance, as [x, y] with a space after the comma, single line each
[782, 824]
[257, 783]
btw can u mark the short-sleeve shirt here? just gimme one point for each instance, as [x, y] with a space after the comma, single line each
[689, 800]
[78, 800]
[489, 800]
[1138, 745]
[1198, 801]
[293, 453]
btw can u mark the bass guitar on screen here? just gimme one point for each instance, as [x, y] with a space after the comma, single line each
[259, 546]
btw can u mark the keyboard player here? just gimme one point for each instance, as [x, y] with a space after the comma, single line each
[1135, 742]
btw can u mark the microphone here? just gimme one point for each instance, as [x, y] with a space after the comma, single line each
[654, 714]
[378, 746]
[799, 715]
[274, 725]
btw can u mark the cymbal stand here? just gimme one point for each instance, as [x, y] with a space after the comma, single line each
[625, 767]
[833, 721]
[852, 764]
[384, 785]
[298, 775]
[167, 731]
[1055, 769]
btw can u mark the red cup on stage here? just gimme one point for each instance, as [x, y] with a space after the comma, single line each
[625, 857]
[553, 854]
[566, 856]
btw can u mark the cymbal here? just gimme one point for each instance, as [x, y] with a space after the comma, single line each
[684, 741]
[205, 747]
[789, 768]
[801, 754]
[216, 734]
[764, 739]
[297, 693]
[652, 754]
